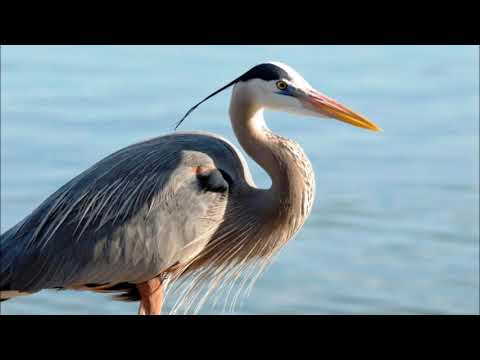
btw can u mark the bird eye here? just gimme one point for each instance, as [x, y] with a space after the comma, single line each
[282, 85]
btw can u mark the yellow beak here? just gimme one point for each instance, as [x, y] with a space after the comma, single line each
[326, 106]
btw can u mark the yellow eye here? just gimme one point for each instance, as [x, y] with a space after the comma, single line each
[282, 85]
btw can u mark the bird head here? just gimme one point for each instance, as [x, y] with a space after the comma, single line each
[276, 86]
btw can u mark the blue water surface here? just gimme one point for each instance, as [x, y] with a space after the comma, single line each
[394, 228]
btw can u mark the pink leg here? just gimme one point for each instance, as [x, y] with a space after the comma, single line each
[151, 294]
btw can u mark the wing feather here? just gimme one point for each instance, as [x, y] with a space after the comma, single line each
[123, 220]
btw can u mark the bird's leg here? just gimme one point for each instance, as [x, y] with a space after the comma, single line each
[151, 297]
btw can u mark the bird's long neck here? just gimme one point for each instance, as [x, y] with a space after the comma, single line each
[259, 222]
[288, 202]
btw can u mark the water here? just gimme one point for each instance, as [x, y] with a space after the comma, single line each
[395, 223]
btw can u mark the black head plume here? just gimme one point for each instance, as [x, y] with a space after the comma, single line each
[208, 97]
[265, 71]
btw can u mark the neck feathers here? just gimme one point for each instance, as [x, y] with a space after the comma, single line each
[291, 196]
[257, 222]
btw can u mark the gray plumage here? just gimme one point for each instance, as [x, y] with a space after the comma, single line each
[126, 219]
[179, 206]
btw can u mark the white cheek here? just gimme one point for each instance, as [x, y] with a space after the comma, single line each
[267, 93]
[287, 103]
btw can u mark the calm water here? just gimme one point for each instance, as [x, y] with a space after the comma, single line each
[395, 223]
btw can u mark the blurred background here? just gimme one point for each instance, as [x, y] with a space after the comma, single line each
[394, 228]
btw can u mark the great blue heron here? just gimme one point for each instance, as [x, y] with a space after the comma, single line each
[176, 206]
